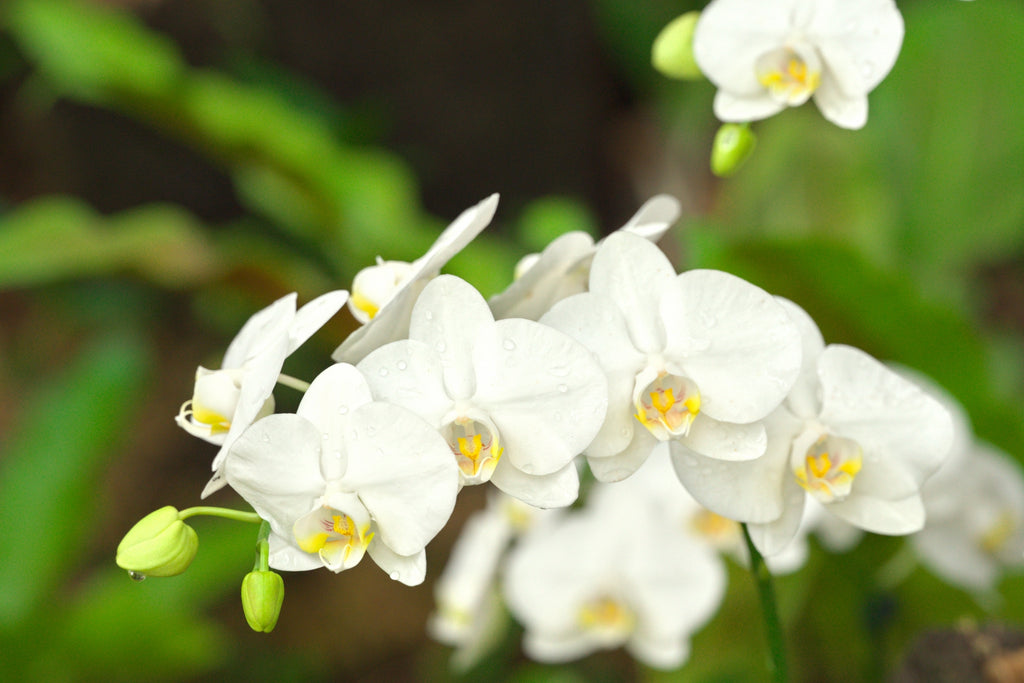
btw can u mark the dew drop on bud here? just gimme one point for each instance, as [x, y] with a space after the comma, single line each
[136, 576]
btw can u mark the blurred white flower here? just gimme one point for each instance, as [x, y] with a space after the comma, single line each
[609, 576]
[975, 526]
[226, 401]
[563, 268]
[383, 295]
[766, 55]
[345, 476]
[695, 359]
[516, 400]
[469, 614]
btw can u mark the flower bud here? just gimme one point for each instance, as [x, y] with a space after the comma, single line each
[160, 544]
[733, 145]
[672, 51]
[262, 596]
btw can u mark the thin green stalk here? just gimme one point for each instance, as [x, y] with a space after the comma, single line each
[262, 562]
[226, 513]
[769, 610]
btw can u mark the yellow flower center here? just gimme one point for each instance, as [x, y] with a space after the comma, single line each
[827, 469]
[667, 406]
[998, 533]
[334, 535]
[791, 75]
[607, 619]
[476, 448]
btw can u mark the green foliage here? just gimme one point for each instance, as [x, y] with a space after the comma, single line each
[871, 231]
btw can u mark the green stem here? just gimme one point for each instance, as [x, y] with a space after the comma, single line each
[769, 609]
[262, 562]
[237, 515]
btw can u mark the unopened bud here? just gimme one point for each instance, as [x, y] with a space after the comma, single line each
[672, 51]
[262, 597]
[733, 145]
[160, 544]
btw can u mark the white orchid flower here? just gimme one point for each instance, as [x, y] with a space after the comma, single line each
[971, 542]
[469, 615]
[226, 401]
[853, 434]
[516, 400]
[696, 359]
[563, 268]
[383, 295]
[766, 55]
[346, 476]
[610, 576]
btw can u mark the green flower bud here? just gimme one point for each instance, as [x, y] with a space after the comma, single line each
[733, 145]
[160, 544]
[262, 596]
[672, 51]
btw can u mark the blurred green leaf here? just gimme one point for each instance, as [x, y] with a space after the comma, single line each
[544, 219]
[58, 238]
[167, 636]
[49, 481]
[94, 52]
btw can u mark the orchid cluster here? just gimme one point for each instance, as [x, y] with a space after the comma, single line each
[694, 407]
[635, 426]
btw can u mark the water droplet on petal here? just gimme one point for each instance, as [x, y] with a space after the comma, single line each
[394, 576]
[867, 69]
[429, 315]
[440, 346]
[402, 365]
[342, 410]
[527, 468]
[509, 345]
[383, 372]
[136, 576]
[563, 388]
[265, 438]
[337, 455]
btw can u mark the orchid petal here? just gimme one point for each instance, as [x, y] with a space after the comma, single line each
[897, 518]
[264, 327]
[408, 373]
[313, 316]
[555, 490]
[403, 472]
[545, 392]
[407, 569]
[275, 466]
[633, 273]
[448, 317]
[751, 350]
